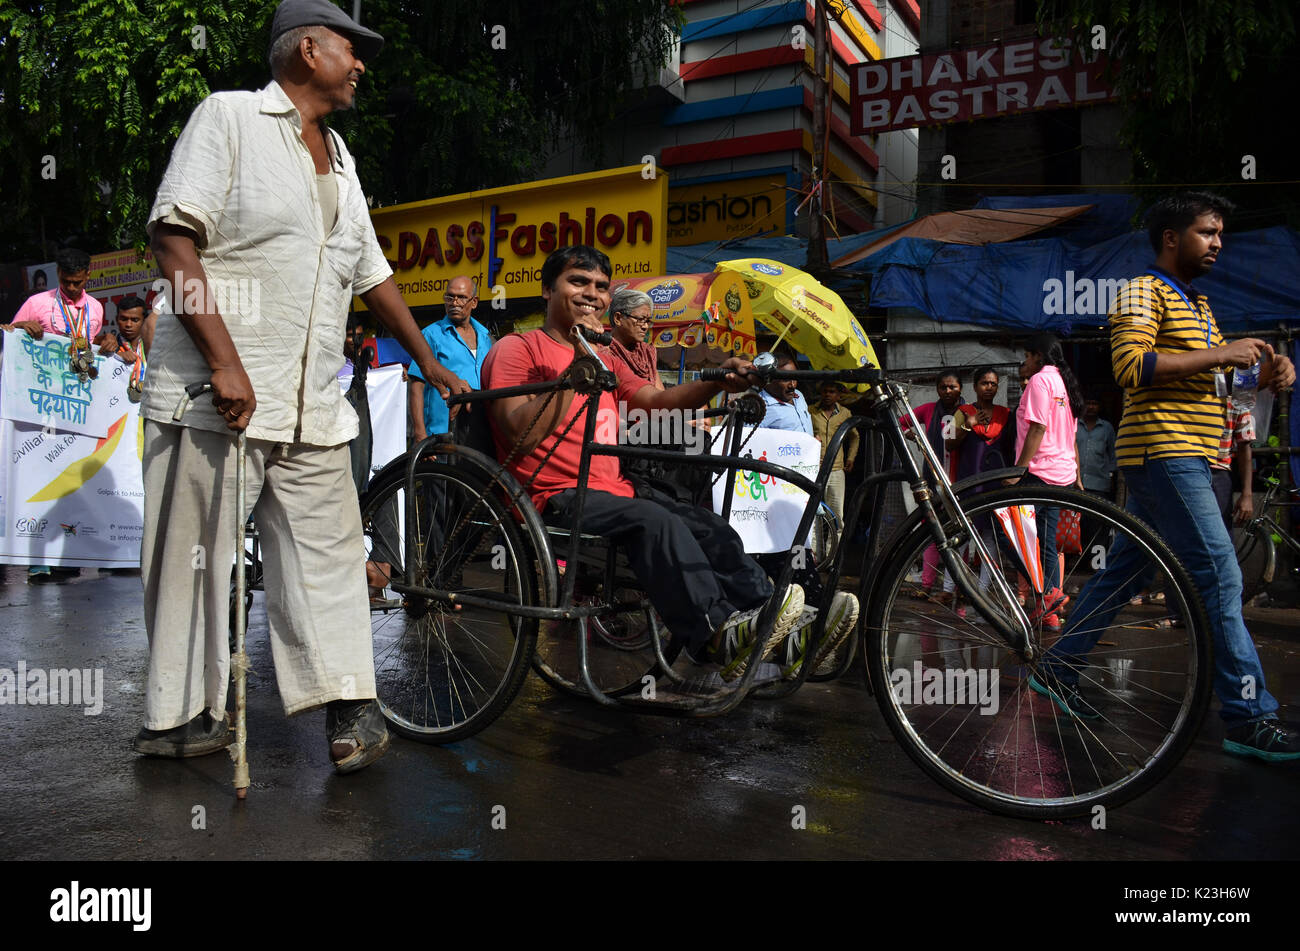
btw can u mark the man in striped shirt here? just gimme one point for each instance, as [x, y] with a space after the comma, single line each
[1167, 352]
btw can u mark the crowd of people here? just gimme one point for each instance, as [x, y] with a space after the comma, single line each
[1169, 447]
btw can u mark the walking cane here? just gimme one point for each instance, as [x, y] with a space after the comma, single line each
[238, 662]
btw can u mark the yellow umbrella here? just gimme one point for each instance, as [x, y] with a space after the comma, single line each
[706, 317]
[804, 312]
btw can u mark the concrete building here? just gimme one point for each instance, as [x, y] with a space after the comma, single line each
[731, 120]
[1069, 149]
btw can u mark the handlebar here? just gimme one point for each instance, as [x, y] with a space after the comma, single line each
[603, 338]
[858, 375]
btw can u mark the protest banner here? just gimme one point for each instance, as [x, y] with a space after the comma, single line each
[37, 386]
[74, 500]
[765, 511]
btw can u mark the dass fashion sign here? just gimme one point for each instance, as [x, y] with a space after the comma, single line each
[501, 236]
[980, 83]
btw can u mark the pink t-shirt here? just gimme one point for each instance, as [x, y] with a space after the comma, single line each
[44, 309]
[1045, 401]
[533, 357]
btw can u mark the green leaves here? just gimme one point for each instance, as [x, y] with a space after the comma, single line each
[106, 86]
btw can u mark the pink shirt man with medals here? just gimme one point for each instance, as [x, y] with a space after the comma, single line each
[67, 311]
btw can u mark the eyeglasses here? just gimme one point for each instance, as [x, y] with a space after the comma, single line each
[648, 319]
[456, 298]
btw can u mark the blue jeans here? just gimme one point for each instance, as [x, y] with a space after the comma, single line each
[1177, 497]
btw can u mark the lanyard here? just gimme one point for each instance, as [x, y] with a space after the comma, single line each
[72, 325]
[1196, 310]
[137, 370]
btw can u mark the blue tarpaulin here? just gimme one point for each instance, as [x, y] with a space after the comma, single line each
[1051, 284]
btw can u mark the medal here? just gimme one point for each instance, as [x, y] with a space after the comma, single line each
[135, 385]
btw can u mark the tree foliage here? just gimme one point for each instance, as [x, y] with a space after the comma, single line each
[1205, 84]
[465, 95]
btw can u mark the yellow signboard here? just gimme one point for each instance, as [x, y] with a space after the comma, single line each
[501, 236]
[716, 211]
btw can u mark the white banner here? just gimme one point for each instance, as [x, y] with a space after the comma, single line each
[38, 387]
[71, 499]
[765, 511]
[74, 500]
[387, 398]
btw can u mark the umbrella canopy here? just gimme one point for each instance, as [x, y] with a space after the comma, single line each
[804, 312]
[707, 316]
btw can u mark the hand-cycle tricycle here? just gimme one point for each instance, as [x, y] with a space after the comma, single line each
[478, 589]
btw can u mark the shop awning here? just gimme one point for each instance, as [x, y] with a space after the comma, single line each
[975, 226]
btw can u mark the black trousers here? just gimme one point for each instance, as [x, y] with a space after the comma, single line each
[691, 563]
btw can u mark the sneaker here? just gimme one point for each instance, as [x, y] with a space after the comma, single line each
[1065, 696]
[39, 574]
[1051, 601]
[356, 732]
[1052, 623]
[796, 645]
[738, 634]
[1265, 739]
[839, 622]
[200, 736]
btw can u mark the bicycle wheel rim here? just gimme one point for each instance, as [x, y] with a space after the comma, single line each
[444, 671]
[1016, 751]
[620, 654]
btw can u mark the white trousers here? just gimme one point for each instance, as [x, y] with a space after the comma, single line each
[313, 555]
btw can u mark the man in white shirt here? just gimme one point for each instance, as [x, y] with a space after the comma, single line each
[270, 197]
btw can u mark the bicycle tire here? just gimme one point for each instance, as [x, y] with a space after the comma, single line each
[1257, 558]
[1154, 680]
[444, 672]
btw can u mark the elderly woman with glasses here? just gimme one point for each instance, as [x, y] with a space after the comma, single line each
[631, 315]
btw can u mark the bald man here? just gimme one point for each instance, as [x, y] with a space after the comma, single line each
[460, 343]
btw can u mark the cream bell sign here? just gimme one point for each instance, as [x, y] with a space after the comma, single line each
[501, 236]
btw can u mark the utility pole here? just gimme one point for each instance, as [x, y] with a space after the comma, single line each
[821, 124]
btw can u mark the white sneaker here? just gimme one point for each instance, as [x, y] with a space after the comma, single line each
[839, 622]
[738, 634]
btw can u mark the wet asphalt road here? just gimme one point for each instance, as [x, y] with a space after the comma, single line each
[569, 779]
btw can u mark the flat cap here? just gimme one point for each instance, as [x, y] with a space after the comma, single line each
[291, 14]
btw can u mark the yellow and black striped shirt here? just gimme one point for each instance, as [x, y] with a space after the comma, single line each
[1179, 418]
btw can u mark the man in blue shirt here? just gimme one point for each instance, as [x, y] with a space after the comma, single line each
[1095, 441]
[459, 343]
[786, 407]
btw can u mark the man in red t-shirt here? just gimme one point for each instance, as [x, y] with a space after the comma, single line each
[690, 561]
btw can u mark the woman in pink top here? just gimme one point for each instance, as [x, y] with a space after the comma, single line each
[1045, 445]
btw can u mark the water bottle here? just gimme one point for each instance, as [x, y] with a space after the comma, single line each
[1245, 385]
